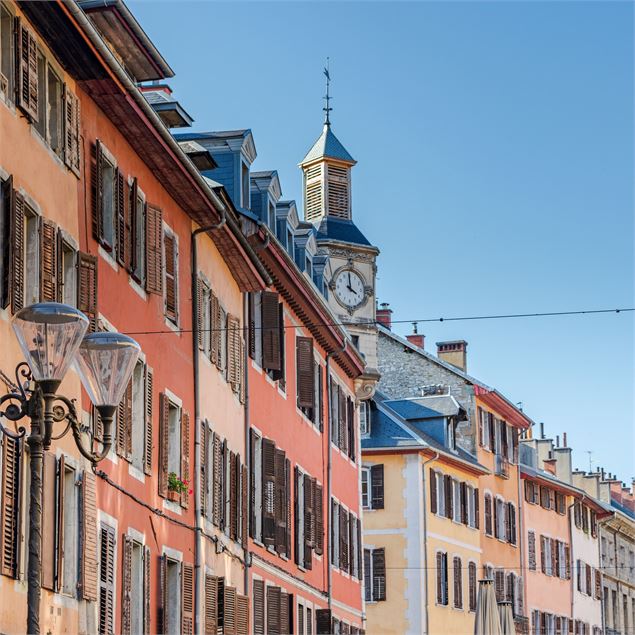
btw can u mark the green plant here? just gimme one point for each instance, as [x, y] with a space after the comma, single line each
[175, 484]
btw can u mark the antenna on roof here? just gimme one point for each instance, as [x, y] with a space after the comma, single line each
[327, 98]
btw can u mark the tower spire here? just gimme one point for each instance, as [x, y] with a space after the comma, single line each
[327, 98]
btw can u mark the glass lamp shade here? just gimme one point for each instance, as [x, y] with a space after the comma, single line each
[49, 335]
[105, 362]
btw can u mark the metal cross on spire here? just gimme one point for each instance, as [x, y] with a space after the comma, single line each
[327, 98]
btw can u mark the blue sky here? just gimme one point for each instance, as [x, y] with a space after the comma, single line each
[495, 150]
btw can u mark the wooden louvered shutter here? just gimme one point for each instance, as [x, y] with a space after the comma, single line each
[270, 331]
[477, 520]
[48, 261]
[242, 615]
[72, 136]
[379, 574]
[433, 491]
[6, 205]
[87, 287]
[543, 563]
[323, 622]
[344, 540]
[280, 375]
[170, 269]
[308, 522]
[531, 550]
[215, 329]
[233, 494]
[259, 607]
[10, 504]
[359, 549]
[377, 486]
[251, 325]
[224, 520]
[252, 483]
[124, 422]
[187, 599]
[368, 581]
[268, 492]
[185, 458]
[284, 613]
[106, 581]
[49, 515]
[244, 507]
[126, 585]
[17, 252]
[350, 405]
[343, 423]
[319, 520]
[300, 619]
[147, 450]
[235, 353]
[211, 604]
[304, 374]
[154, 250]
[507, 522]
[217, 511]
[164, 439]
[529, 497]
[448, 491]
[287, 494]
[280, 507]
[162, 603]
[352, 535]
[120, 216]
[26, 71]
[97, 191]
[299, 548]
[320, 404]
[88, 535]
[147, 591]
[273, 610]
[440, 592]
[201, 291]
[463, 502]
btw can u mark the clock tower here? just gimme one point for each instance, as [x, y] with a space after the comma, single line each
[327, 205]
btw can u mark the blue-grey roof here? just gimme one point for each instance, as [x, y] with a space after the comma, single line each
[622, 508]
[224, 134]
[343, 230]
[425, 407]
[387, 433]
[328, 145]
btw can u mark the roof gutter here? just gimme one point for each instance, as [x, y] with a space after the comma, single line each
[218, 206]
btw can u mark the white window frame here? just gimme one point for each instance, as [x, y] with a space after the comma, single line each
[70, 567]
[31, 257]
[7, 49]
[440, 494]
[456, 501]
[174, 439]
[364, 419]
[365, 475]
[139, 391]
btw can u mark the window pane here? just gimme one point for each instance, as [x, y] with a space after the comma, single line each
[69, 575]
[138, 415]
[55, 112]
[6, 51]
[174, 444]
[108, 202]
[32, 259]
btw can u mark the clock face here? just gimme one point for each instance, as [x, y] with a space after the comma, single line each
[349, 288]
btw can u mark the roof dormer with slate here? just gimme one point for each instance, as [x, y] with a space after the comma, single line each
[265, 194]
[305, 248]
[287, 221]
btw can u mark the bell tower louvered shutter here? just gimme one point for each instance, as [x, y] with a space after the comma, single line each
[304, 374]
[270, 331]
[314, 192]
[26, 67]
[10, 515]
[338, 191]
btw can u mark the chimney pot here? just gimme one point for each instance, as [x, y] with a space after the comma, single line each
[417, 339]
[564, 439]
[453, 352]
[384, 315]
[542, 430]
[557, 440]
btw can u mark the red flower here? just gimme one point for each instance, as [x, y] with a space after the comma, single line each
[190, 491]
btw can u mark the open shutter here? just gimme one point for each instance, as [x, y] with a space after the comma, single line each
[72, 119]
[106, 581]
[323, 622]
[87, 287]
[319, 520]
[10, 504]
[233, 496]
[187, 599]
[270, 331]
[48, 261]
[121, 206]
[433, 491]
[379, 574]
[229, 611]
[543, 563]
[268, 492]
[211, 604]
[59, 551]
[343, 539]
[164, 439]
[279, 375]
[124, 423]
[171, 290]
[126, 585]
[531, 550]
[185, 458]
[216, 333]
[352, 536]
[308, 523]
[147, 591]
[242, 615]
[88, 534]
[440, 593]
[280, 502]
[299, 548]
[202, 290]
[377, 486]
[17, 252]
[284, 613]
[26, 71]
[343, 423]
[224, 520]
[350, 405]
[259, 607]
[205, 467]
[154, 250]
[244, 507]
[304, 361]
[97, 191]
[463, 496]
[49, 516]
[7, 205]
[162, 603]
[218, 479]
[252, 483]
[273, 610]
[287, 495]
[147, 450]
[448, 491]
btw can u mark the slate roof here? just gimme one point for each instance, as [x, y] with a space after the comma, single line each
[622, 508]
[425, 407]
[224, 134]
[328, 145]
[342, 230]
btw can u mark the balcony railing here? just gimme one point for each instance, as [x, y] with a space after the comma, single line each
[502, 466]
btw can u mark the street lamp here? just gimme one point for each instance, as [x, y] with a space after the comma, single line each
[52, 337]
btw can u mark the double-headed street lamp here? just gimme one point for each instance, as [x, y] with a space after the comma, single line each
[53, 336]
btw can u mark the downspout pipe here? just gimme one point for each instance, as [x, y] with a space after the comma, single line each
[425, 541]
[196, 333]
[329, 520]
[246, 552]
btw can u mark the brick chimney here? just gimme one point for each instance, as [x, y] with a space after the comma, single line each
[454, 352]
[416, 338]
[384, 315]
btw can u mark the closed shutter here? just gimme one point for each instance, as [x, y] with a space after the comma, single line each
[488, 514]
[88, 533]
[216, 332]
[479, 414]
[10, 504]
[273, 610]
[121, 210]
[507, 522]
[280, 507]
[308, 523]
[350, 406]
[201, 291]
[543, 564]
[154, 250]
[259, 607]
[284, 613]
[252, 483]
[598, 584]
[17, 251]
[359, 550]
[87, 287]
[323, 622]
[185, 458]
[352, 536]
[448, 491]
[162, 603]
[49, 508]
[233, 497]
[59, 550]
[531, 548]
[48, 261]
[433, 491]
[477, 511]
[26, 75]
[496, 520]
[224, 520]
[368, 580]
[147, 450]
[320, 404]
[211, 604]
[164, 440]
[124, 424]
[529, 492]
[440, 591]
[7, 205]
[187, 599]
[319, 520]
[463, 491]
[458, 583]
[251, 326]
[287, 493]
[270, 331]
[234, 358]
[242, 615]
[268, 492]
[304, 375]
[379, 574]
[244, 506]
[300, 619]
[217, 512]
[170, 269]
[297, 517]
[343, 423]
[147, 591]
[72, 135]
[499, 583]
[97, 191]
[377, 486]
[126, 584]
[106, 580]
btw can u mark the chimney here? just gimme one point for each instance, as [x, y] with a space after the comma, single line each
[550, 465]
[564, 440]
[416, 338]
[384, 315]
[454, 352]
[563, 464]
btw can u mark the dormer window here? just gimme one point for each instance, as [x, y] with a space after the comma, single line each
[364, 419]
[272, 216]
[244, 180]
[451, 434]
[309, 268]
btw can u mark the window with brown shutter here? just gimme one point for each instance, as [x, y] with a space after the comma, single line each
[211, 604]
[433, 491]
[123, 435]
[284, 613]
[343, 539]
[49, 515]
[442, 578]
[107, 541]
[463, 497]
[219, 477]
[273, 610]
[531, 550]
[187, 599]
[147, 450]
[242, 615]
[88, 535]
[10, 504]
[268, 492]
[319, 520]
[567, 560]
[304, 372]
[87, 287]
[259, 607]
[170, 272]
[154, 250]
[26, 71]
[164, 440]
[126, 584]
[377, 486]
[185, 458]
[17, 230]
[147, 590]
[270, 331]
[280, 503]
[233, 494]
[487, 500]
[448, 489]
[471, 574]
[308, 522]
[48, 261]
[323, 622]
[6, 208]
[72, 136]
[458, 582]
[244, 506]
[379, 574]
[499, 585]
[122, 224]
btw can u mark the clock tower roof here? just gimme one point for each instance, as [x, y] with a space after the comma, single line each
[341, 230]
[328, 146]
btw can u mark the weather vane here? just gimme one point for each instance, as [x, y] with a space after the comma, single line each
[327, 98]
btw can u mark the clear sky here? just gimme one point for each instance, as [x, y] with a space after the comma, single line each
[494, 143]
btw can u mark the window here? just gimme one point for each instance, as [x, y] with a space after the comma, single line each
[441, 495]
[451, 434]
[511, 523]
[31, 257]
[173, 592]
[108, 185]
[174, 440]
[545, 555]
[5, 232]
[499, 516]
[7, 71]
[488, 514]
[138, 415]
[471, 574]
[68, 270]
[170, 273]
[364, 418]
[365, 487]
[560, 503]
[456, 497]
[442, 578]
[374, 575]
[244, 180]
[305, 368]
[545, 497]
[271, 219]
[309, 266]
[71, 534]
[458, 583]
[484, 429]
[138, 209]
[309, 621]
[50, 105]
[137, 589]
[471, 506]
